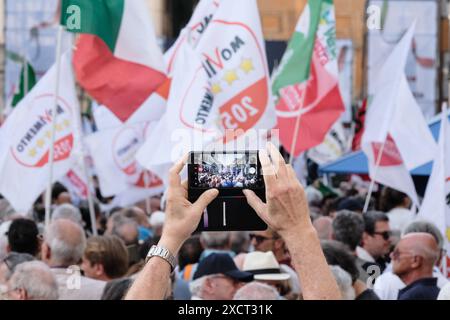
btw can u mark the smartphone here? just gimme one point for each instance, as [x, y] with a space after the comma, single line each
[230, 173]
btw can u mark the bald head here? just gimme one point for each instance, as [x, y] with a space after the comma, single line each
[415, 256]
[65, 241]
[422, 244]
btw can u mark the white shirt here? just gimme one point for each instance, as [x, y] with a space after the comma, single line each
[399, 218]
[72, 286]
[364, 255]
[444, 294]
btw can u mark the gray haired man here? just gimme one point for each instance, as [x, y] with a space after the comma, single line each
[62, 250]
[32, 280]
[9, 264]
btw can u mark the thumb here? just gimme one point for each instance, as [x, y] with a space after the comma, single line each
[205, 199]
[255, 202]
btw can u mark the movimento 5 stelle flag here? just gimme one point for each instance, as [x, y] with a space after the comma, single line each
[220, 88]
[25, 138]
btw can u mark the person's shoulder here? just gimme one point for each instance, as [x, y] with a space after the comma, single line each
[368, 294]
[93, 282]
[421, 289]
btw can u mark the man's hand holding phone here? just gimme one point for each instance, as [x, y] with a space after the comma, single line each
[182, 216]
[286, 208]
[286, 212]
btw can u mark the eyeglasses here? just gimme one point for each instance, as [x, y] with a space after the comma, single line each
[260, 239]
[385, 234]
[395, 255]
[7, 263]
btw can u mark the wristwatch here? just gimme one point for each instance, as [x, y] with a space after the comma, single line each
[157, 251]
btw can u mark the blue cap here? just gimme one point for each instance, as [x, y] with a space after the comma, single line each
[221, 263]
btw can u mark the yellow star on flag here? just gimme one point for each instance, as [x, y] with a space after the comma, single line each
[247, 65]
[59, 127]
[32, 152]
[448, 233]
[67, 123]
[40, 143]
[48, 134]
[230, 77]
[216, 88]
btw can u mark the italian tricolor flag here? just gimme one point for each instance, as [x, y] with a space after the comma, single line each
[117, 59]
[306, 83]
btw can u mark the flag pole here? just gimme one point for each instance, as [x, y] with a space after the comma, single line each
[297, 126]
[84, 166]
[372, 181]
[48, 194]
[25, 73]
[89, 183]
[147, 199]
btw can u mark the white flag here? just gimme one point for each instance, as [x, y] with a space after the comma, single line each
[26, 138]
[113, 152]
[76, 183]
[396, 125]
[436, 203]
[233, 54]
[189, 121]
[223, 84]
[192, 33]
[131, 196]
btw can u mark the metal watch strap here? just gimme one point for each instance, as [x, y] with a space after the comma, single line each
[158, 251]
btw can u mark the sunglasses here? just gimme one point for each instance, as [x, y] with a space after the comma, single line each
[260, 239]
[385, 234]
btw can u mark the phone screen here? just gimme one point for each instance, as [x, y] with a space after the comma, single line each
[226, 170]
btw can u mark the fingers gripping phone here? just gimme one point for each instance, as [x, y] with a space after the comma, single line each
[230, 173]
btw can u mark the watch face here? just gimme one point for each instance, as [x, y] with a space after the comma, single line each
[162, 253]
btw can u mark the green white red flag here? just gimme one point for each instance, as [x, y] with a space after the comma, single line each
[117, 59]
[306, 83]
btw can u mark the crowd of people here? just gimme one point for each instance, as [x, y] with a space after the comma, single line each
[224, 180]
[319, 245]
[233, 176]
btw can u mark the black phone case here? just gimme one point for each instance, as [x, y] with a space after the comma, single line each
[229, 211]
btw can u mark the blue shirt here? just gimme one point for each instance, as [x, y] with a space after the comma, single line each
[144, 233]
[422, 289]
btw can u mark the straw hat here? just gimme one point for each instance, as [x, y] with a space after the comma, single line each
[264, 266]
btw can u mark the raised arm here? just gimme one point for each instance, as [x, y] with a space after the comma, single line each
[286, 212]
[182, 218]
